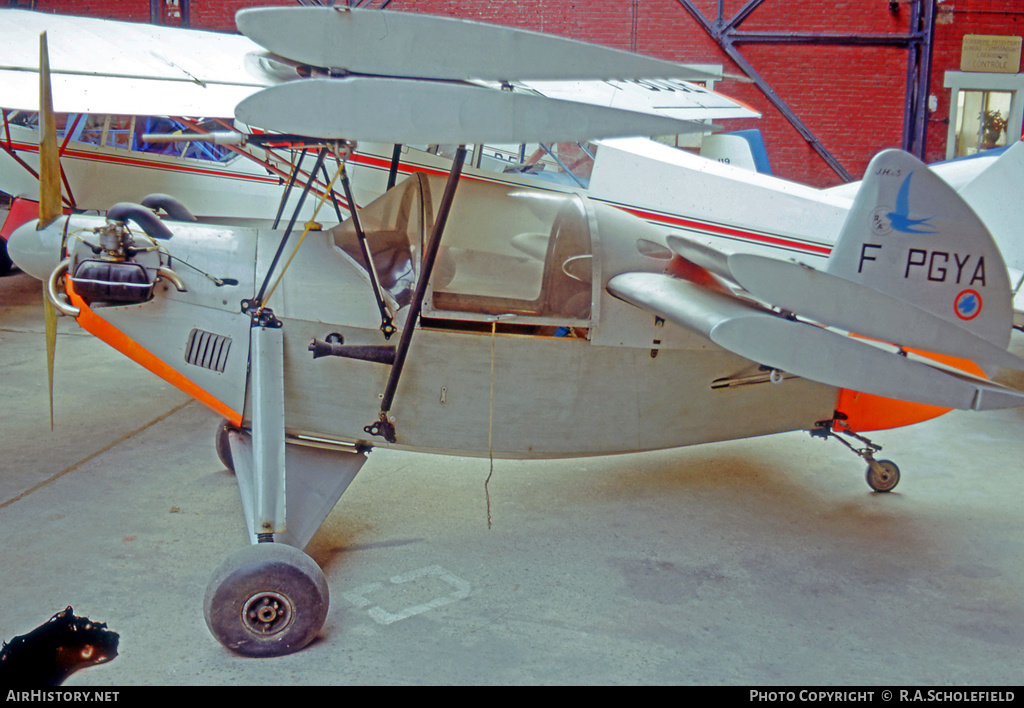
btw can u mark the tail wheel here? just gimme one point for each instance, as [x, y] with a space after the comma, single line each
[5, 260]
[269, 599]
[883, 475]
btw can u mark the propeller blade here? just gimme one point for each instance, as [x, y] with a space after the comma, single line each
[50, 207]
[50, 317]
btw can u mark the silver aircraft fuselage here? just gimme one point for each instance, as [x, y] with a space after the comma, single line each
[520, 352]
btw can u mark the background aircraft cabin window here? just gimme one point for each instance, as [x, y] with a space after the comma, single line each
[563, 163]
[126, 132]
[567, 163]
[197, 150]
[112, 131]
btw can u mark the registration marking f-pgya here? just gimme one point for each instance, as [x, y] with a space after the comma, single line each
[940, 269]
[938, 266]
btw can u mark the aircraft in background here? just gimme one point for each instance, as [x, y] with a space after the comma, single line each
[471, 315]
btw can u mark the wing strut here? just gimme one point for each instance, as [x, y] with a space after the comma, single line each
[260, 301]
[384, 427]
[396, 158]
[288, 189]
[386, 321]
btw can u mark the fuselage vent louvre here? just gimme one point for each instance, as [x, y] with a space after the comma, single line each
[207, 350]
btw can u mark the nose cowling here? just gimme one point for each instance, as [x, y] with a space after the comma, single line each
[36, 251]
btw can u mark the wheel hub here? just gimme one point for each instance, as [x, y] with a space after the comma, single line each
[267, 613]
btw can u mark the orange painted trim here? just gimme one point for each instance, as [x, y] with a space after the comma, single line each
[101, 329]
[866, 412]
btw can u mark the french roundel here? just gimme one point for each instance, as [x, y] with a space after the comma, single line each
[967, 304]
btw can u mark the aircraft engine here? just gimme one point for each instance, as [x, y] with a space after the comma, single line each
[116, 266]
[112, 281]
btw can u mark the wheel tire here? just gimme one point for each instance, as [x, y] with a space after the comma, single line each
[269, 599]
[220, 441]
[5, 260]
[883, 475]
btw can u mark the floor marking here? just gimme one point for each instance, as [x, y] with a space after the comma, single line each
[93, 456]
[358, 596]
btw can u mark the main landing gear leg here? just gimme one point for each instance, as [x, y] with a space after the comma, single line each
[270, 598]
[881, 475]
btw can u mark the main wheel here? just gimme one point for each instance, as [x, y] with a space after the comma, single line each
[269, 599]
[883, 475]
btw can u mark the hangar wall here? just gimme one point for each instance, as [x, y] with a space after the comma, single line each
[849, 96]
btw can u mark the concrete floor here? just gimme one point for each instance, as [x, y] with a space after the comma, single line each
[759, 562]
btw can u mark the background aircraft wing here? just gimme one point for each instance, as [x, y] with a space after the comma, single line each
[103, 66]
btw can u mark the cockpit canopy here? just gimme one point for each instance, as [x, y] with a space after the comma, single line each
[507, 251]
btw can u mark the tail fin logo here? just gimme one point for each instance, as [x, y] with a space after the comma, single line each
[899, 219]
[967, 304]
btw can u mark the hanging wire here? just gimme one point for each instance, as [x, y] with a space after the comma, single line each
[490, 429]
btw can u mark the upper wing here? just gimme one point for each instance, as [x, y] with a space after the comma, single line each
[104, 66]
[392, 110]
[406, 77]
[415, 45]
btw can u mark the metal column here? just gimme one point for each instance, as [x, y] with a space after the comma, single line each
[918, 42]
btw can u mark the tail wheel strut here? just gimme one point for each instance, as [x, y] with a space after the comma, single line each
[881, 475]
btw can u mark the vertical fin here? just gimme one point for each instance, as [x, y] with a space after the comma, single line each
[910, 235]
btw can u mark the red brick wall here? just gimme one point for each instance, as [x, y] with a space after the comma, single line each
[995, 17]
[135, 10]
[851, 98]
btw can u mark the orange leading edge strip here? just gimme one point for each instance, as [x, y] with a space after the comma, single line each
[101, 329]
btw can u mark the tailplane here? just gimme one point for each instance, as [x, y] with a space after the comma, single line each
[913, 300]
